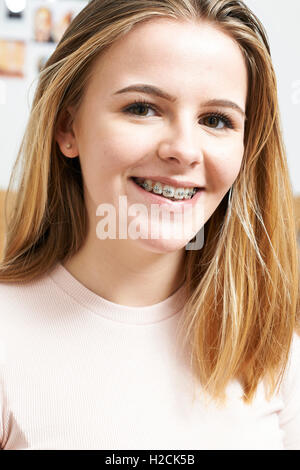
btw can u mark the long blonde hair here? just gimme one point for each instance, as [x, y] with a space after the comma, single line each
[243, 285]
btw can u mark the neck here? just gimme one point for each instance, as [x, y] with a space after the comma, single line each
[125, 273]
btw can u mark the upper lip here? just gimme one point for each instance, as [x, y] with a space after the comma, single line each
[172, 182]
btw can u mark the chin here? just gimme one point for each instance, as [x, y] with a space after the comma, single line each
[169, 237]
[162, 245]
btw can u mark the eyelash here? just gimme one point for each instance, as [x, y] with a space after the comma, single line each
[219, 114]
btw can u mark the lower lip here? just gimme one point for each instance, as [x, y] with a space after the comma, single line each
[175, 205]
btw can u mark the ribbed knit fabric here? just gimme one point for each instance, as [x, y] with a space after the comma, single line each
[81, 372]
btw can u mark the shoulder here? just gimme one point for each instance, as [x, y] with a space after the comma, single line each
[20, 300]
[41, 303]
[31, 314]
[11, 292]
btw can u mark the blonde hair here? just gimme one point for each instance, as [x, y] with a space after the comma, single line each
[243, 285]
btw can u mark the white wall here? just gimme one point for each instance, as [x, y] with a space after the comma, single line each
[281, 20]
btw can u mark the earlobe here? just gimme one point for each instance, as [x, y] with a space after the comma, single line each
[64, 135]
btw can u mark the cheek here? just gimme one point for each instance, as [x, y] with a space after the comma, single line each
[223, 166]
[112, 147]
[106, 152]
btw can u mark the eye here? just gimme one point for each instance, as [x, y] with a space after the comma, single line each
[214, 119]
[142, 106]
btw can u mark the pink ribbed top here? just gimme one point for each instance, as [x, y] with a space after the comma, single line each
[80, 372]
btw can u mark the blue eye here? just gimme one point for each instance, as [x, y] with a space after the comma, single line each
[214, 118]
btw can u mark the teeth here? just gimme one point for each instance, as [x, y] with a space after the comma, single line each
[147, 184]
[166, 190]
[188, 193]
[158, 188]
[179, 193]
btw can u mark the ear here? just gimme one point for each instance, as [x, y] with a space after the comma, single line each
[64, 134]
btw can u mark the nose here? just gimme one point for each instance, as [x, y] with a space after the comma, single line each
[183, 146]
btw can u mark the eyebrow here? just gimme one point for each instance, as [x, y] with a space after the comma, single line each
[153, 90]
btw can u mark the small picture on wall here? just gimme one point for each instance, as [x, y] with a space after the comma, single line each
[48, 28]
[61, 25]
[12, 58]
[43, 25]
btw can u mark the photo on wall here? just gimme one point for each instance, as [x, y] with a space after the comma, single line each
[12, 58]
[49, 26]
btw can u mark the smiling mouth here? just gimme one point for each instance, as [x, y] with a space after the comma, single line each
[163, 190]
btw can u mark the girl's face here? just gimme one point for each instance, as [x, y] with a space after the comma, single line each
[192, 131]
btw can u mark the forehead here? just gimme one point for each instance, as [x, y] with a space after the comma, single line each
[179, 56]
